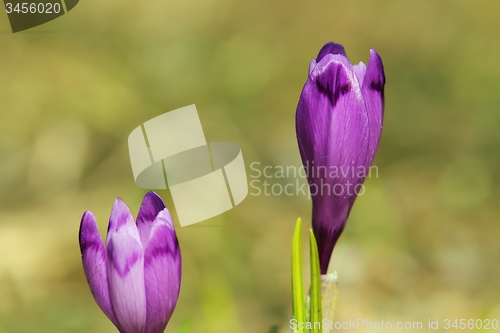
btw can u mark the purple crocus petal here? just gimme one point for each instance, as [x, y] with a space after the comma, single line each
[162, 273]
[125, 269]
[360, 71]
[330, 48]
[121, 220]
[332, 127]
[94, 264]
[312, 65]
[151, 206]
[373, 94]
[331, 91]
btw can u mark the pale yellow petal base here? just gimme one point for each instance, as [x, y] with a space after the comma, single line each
[329, 290]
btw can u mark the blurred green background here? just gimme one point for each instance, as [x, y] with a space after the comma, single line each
[422, 243]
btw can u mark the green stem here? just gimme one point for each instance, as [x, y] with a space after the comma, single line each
[316, 312]
[298, 305]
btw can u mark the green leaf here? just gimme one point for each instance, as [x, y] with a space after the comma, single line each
[315, 314]
[299, 310]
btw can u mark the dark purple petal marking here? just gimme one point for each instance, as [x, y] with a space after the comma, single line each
[333, 77]
[94, 264]
[151, 206]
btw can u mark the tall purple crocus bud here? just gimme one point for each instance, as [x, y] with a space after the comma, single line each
[135, 277]
[339, 123]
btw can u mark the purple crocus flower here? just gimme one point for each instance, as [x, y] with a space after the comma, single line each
[135, 278]
[339, 123]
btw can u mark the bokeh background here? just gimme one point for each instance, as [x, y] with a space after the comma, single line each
[422, 242]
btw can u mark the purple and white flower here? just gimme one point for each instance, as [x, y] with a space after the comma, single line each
[135, 276]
